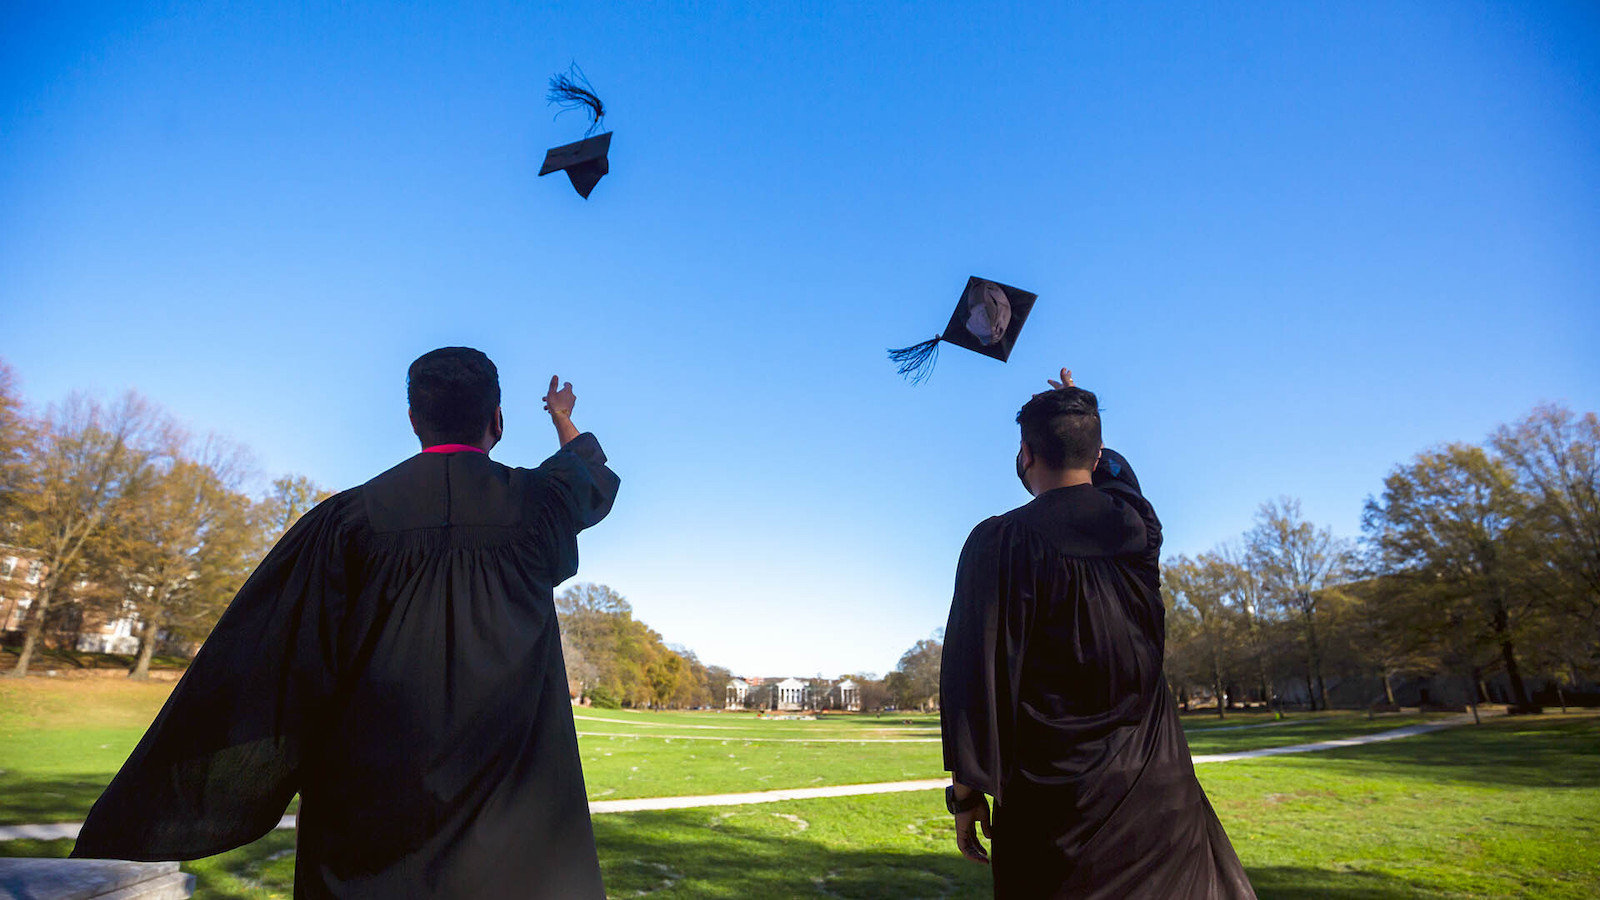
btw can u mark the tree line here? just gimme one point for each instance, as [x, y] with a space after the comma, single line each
[119, 512]
[1475, 562]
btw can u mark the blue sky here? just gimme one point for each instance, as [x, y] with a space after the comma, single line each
[1290, 245]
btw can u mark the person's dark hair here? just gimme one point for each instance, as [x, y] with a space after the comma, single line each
[1062, 428]
[453, 393]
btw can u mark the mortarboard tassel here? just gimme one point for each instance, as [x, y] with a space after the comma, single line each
[916, 361]
[571, 91]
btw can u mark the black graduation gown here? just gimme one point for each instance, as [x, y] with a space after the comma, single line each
[395, 660]
[1053, 702]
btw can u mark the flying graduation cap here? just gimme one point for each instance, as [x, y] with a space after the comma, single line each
[584, 161]
[987, 320]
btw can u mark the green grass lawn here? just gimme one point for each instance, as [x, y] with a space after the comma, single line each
[1507, 809]
[617, 768]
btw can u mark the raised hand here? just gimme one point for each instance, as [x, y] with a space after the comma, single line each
[1065, 382]
[559, 402]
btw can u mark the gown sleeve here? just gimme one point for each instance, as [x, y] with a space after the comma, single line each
[222, 760]
[577, 492]
[984, 645]
[584, 488]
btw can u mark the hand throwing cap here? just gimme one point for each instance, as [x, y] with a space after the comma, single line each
[987, 320]
[584, 161]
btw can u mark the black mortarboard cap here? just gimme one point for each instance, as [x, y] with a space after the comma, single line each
[987, 320]
[584, 162]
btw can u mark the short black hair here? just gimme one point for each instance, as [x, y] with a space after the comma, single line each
[1062, 427]
[453, 393]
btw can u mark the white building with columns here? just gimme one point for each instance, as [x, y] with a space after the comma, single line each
[791, 695]
[849, 695]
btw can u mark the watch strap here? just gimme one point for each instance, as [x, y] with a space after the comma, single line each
[956, 807]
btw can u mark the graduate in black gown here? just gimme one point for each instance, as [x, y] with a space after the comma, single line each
[395, 660]
[1051, 692]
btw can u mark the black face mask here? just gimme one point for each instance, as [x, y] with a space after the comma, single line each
[1022, 473]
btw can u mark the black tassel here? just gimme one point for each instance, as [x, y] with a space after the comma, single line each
[916, 361]
[570, 90]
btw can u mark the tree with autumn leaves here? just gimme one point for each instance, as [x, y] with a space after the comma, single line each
[614, 659]
[126, 515]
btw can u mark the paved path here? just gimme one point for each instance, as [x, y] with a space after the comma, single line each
[59, 832]
[1335, 743]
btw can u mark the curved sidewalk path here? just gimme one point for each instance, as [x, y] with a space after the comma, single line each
[641, 804]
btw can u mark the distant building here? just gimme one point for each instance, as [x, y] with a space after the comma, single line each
[789, 694]
[849, 695]
[21, 571]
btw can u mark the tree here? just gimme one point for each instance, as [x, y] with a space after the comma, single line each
[915, 680]
[664, 673]
[1199, 588]
[288, 498]
[1451, 527]
[16, 444]
[1397, 630]
[589, 615]
[1297, 561]
[1247, 595]
[874, 694]
[611, 654]
[1554, 455]
[87, 460]
[580, 674]
[16, 440]
[182, 546]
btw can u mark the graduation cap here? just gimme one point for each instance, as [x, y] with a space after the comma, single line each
[987, 320]
[584, 161]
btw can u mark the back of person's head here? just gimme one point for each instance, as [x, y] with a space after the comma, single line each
[1062, 428]
[453, 393]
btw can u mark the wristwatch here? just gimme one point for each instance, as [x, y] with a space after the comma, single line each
[957, 807]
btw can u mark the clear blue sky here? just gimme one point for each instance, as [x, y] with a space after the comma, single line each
[1290, 245]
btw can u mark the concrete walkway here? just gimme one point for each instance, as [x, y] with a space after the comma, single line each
[1335, 743]
[640, 804]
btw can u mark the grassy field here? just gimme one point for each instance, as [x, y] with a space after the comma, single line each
[1507, 809]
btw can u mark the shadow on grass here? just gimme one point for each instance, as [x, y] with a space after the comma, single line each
[44, 799]
[699, 861]
[1501, 753]
[763, 867]
[1298, 883]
